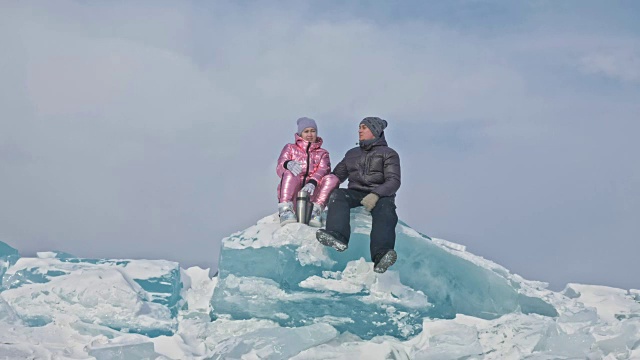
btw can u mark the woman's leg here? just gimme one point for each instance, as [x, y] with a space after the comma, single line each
[327, 184]
[288, 187]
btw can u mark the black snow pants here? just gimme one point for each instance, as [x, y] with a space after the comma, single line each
[384, 218]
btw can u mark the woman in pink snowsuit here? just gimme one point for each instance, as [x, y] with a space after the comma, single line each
[304, 165]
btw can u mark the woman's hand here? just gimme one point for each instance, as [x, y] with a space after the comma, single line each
[309, 188]
[294, 167]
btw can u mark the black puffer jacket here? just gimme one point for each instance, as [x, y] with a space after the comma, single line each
[374, 168]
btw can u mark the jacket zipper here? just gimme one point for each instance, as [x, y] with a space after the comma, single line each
[304, 179]
[363, 167]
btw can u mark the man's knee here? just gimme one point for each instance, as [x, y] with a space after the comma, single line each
[338, 194]
[385, 207]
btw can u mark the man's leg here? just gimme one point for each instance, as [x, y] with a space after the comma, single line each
[383, 228]
[338, 218]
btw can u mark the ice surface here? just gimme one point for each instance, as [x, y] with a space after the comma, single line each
[102, 296]
[610, 303]
[7, 314]
[139, 296]
[274, 343]
[450, 341]
[134, 351]
[57, 306]
[350, 349]
[52, 341]
[198, 289]
[8, 257]
[160, 279]
[284, 274]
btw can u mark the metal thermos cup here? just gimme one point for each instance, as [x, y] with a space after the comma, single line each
[303, 207]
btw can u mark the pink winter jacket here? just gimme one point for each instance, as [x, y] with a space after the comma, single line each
[313, 159]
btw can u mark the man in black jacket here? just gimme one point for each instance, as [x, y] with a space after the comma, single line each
[373, 170]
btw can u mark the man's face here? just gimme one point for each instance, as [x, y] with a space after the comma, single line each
[364, 133]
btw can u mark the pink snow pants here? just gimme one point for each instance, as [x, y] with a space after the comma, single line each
[291, 184]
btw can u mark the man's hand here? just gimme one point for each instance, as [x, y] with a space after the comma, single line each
[309, 188]
[294, 167]
[369, 201]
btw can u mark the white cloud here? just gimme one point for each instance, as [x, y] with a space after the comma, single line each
[622, 65]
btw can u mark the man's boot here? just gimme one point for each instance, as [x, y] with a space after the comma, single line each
[331, 238]
[384, 260]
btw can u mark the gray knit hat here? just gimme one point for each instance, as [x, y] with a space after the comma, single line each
[375, 124]
[305, 122]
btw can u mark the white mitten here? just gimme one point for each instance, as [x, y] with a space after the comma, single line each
[294, 167]
[309, 188]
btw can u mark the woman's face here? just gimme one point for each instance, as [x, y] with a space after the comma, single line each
[309, 134]
[364, 133]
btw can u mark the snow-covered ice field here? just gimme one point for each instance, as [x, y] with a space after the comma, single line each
[281, 295]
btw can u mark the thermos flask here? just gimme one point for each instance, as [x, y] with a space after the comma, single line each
[303, 207]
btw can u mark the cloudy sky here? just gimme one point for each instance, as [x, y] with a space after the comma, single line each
[151, 129]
